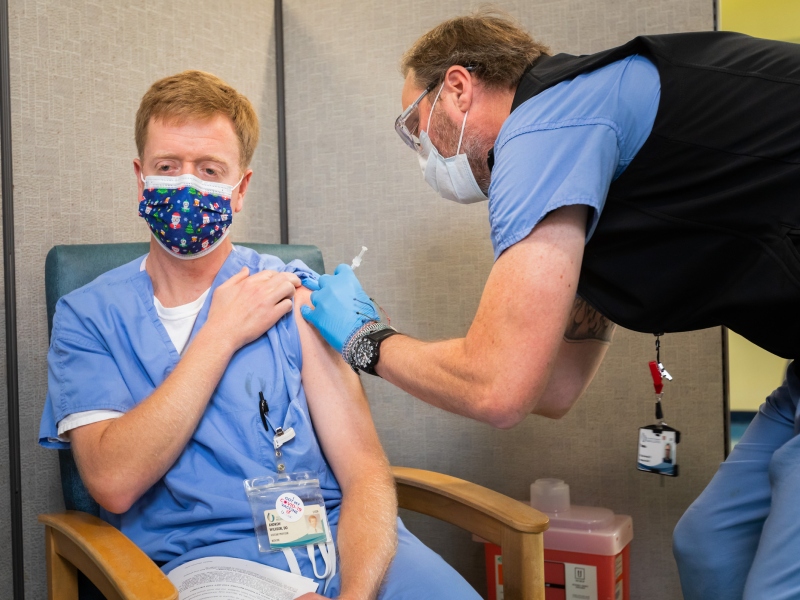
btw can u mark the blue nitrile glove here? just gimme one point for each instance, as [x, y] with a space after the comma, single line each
[341, 307]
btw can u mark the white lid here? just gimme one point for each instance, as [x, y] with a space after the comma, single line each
[586, 529]
[605, 541]
[550, 495]
[583, 518]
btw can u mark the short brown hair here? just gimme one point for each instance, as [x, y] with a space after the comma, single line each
[198, 95]
[497, 48]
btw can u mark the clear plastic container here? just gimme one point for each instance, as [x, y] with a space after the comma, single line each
[586, 529]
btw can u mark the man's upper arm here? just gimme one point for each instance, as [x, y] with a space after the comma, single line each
[82, 375]
[539, 171]
[520, 323]
[587, 323]
[337, 404]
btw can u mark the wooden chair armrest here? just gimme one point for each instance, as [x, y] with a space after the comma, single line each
[470, 506]
[101, 552]
[514, 526]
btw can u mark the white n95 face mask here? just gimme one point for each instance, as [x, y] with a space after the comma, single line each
[451, 177]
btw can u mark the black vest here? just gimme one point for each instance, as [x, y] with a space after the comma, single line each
[703, 227]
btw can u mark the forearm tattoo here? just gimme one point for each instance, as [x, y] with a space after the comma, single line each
[586, 323]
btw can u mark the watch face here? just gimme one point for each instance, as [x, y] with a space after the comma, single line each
[364, 353]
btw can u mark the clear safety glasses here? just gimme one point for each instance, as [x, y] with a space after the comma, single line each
[407, 124]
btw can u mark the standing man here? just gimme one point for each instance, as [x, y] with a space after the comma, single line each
[652, 185]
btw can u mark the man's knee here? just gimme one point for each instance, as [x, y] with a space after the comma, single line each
[417, 572]
[695, 556]
[696, 539]
[687, 538]
[713, 555]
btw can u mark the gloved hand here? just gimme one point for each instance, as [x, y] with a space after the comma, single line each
[341, 307]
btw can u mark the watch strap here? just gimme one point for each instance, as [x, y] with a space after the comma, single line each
[362, 349]
[377, 337]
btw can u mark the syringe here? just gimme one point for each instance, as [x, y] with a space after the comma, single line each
[357, 260]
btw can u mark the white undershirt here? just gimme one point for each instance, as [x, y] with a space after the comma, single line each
[178, 321]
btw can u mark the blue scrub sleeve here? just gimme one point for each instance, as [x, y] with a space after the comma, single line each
[82, 373]
[82, 376]
[268, 262]
[544, 167]
[299, 268]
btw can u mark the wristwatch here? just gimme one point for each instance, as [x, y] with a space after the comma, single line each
[366, 349]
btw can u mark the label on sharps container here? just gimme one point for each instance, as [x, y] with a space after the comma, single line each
[311, 527]
[658, 451]
[580, 582]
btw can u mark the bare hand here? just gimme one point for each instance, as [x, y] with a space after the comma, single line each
[246, 306]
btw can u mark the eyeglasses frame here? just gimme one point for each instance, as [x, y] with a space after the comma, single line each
[400, 127]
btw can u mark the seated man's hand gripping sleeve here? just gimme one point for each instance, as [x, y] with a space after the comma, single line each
[341, 307]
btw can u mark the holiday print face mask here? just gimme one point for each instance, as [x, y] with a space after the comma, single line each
[189, 217]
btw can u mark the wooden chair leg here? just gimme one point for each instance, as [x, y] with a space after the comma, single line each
[62, 576]
[523, 565]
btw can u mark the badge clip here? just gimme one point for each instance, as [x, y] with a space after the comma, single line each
[282, 436]
[657, 450]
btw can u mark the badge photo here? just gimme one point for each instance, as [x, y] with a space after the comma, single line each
[658, 450]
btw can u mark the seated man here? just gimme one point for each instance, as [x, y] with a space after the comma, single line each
[170, 377]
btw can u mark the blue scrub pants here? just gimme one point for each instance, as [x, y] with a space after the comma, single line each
[741, 538]
[418, 573]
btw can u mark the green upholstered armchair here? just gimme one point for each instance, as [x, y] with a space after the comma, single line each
[87, 558]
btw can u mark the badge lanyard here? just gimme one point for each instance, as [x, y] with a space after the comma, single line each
[279, 512]
[658, 442]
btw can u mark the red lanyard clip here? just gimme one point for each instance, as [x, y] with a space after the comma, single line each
[658, 382]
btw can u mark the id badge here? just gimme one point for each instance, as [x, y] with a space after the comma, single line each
[658, 450]
[295, 523]
[288, 510]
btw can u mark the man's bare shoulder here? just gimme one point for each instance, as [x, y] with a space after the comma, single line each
[318, 357]
[302, 296]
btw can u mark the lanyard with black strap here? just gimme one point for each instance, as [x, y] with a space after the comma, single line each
[657, 451]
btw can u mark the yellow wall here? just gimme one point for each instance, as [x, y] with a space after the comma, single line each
[754, 373]
[773, 19]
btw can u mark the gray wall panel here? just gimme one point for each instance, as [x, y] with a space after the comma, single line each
[352, 182]
[6, 580]
[78, 71]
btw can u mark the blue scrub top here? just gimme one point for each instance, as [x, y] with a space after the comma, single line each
[566, 145]
[109, 350]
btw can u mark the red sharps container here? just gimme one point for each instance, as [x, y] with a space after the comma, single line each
[586, 549]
